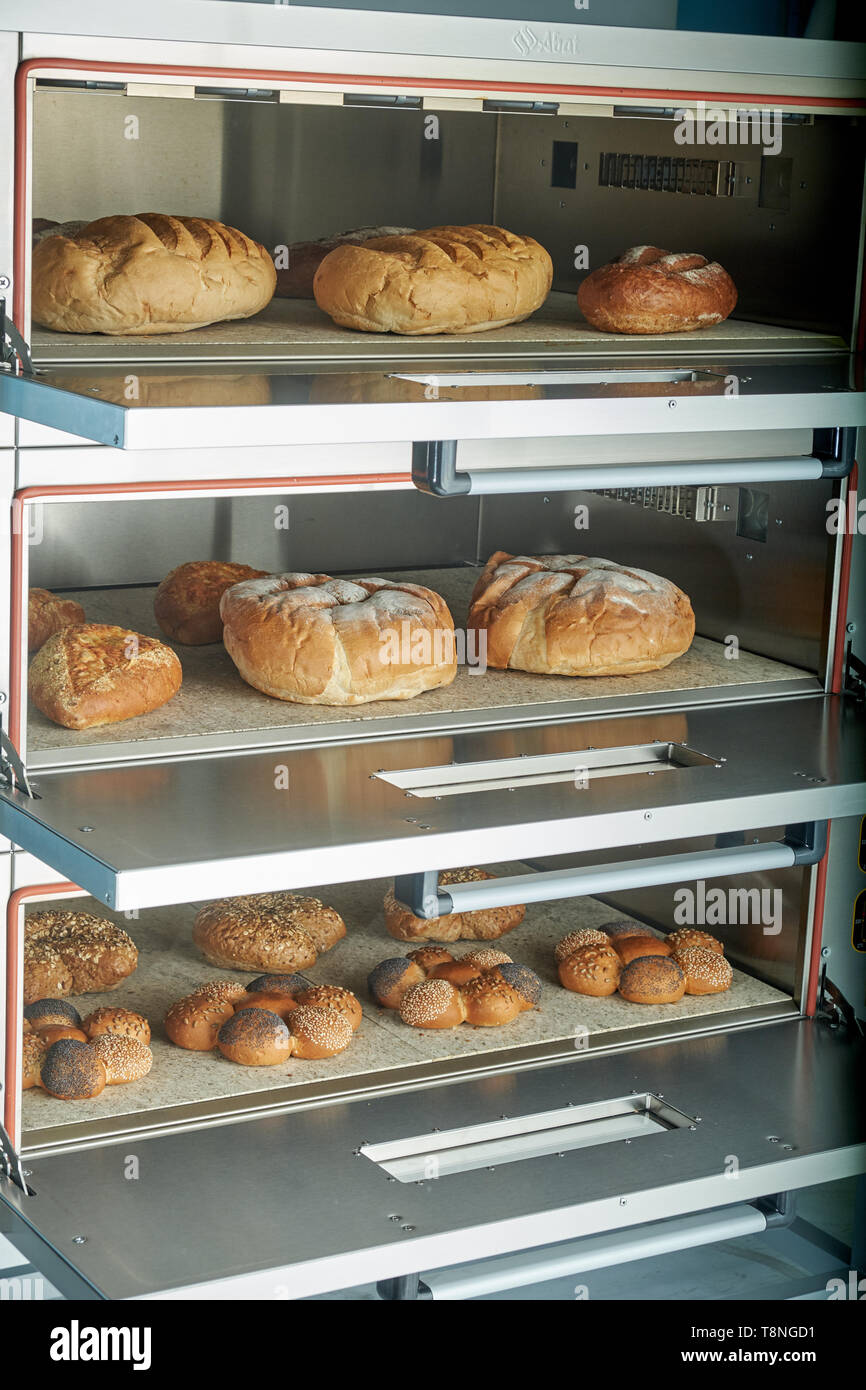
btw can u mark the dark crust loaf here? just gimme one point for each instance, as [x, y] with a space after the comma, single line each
[47, 613]
[487, 924]
[187, 603]
[648, 290]
[96, 674]
[295, 281]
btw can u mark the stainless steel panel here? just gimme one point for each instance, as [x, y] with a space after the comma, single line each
[776, 1108]
[295, 817]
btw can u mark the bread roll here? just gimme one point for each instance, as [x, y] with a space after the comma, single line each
[314, 640]
[72, 1070]
[33, 1050]
[194, 1022]
[647, 290]
[45, 1013]
[390, 979]
[706, 971]
[433, 1004]
[255, 1038]
[631, 947]
[572, 615]
[124, 1058]
[486, 924]
[97, 674]
[592, 969]
[120, 1022]
[318, 1033]
[444, 280]
[652, 980]
[151, 273]
[85, 954]
[47, 614]
[685, 937]
[295, 281]
[187, 603]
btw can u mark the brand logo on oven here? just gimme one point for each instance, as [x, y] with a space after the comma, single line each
[534, 41]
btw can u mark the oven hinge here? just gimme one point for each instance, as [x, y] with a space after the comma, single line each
[10, 1163]
[855, 676]
[833, 1008]
[13, 773]
[12, 346]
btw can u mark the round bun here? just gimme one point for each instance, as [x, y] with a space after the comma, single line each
[593, 969]
[485, 924]
[522, 979]
[442, 280]
[706, 971]
[314, 640]
[266, 931]
[72, 1070]
[123, 1022]
[588, 936]
[124, 1058]
[390, 979]
[277, 1001]
[221, 991]
[193, 1022]
[43, 1013]
[630, 947]
[47, 614]
[486, 957]
[337, 1000]
[647, 290]
[491, 1001]
[428, 956]
[33, 1050]
[575, 615]
[652, 980]
[319, 1032]
[53, 1032]
[74, 953]
[433, 1004]
[686, 937]
[187, 603]
[255, 1038]
[623, 926]
[149, 273]
[459, 972]
[278, 984]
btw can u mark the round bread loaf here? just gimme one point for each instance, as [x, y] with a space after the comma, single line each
[706, 971]
[484, 988]
[295, 281]
[485, 924]
[631, 947]
[72, 1070]
[587, 936]
[486, 958]
[47, 614]
[187, 603]
[122, 1022]
[335, 999]
[255, 1038]
[647, 290]
[491, 1001]
[150, 273]
[96, 674]
[53, 1032]
[593, 969]
[318, 1033]
[428, 956]
[459, 972]
[686, 937]
[390, 979]
[652, 980]
[315, 640]
[444, 280]
[223, 991]
[124, 1058]
[194, 1022]
[266, 931]
[45, 1013]
[278, 984]
[74, 953]
[433, 1004]
[276, 1001]
[572, 615]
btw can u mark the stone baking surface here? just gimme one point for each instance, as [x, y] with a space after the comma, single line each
[290, 328]
[215, 700]
[171, 966]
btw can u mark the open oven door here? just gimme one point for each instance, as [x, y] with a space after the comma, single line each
[385, 1186]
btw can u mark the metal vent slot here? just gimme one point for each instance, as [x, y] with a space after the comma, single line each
[580, 768]
[426, 1156]
[658, 173]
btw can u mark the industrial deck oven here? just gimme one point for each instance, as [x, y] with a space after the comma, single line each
[724, 459]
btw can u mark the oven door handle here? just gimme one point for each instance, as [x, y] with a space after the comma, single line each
[434, 470]
[422, 895]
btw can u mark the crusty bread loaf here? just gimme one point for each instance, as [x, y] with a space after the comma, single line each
[187, 603]
[444, 280]
[47, 614]
[42, 227]
[74, 953]
[573, 615]
[483, 925]
[266, 931]
[315, 640]
[100, 674]
[647, 290]
[295, 281]
[150, 273]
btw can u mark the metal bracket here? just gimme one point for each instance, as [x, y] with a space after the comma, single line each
[808, 841]
[835, 449]
[833, 1007]
[12, 346]
[11, 1162]
[12, 770]
[855, 676]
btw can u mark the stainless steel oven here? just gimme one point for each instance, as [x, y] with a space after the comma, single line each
[725, 460]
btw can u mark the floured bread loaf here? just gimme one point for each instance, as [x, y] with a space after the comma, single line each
[96, 673]
[147, 274]
[315, 640]
[445, 280]
[573, 615]
[648, 290]
[295, 281]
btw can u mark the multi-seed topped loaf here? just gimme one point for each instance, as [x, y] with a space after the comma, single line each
[266, 931]
[74, 953]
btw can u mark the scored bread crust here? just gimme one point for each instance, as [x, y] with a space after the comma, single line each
[295, 281]
[46, 614]
[648, 290]
[266, 931]
[96, 674]
[149, 273]
[485, 924]
[314, 640]
[576, 615]
[187, 603]
[443, 280]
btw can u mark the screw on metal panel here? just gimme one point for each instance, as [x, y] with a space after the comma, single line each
[672, 405]
[79, 1240]
[772, 1139]
[647, 815]
[28, 1172]
[5, 282]
[2, 697]
[395, 1218]
[778, 521]
[825, 951]
[789, 1148]
[407, 1228]
[423, 827]
[86, 829]
[692, 1126]
[623, 1201]
[849, 627]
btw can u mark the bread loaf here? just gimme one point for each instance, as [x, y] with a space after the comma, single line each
[573, 615]
[315, 640]
[69, 952]
[97, 674]
[482, 925]
[648, 290]
[187, 603]
[295, 281]
[47, 614]
[147, 274]
[445, 280]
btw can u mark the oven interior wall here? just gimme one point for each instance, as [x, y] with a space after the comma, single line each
[586, 186]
